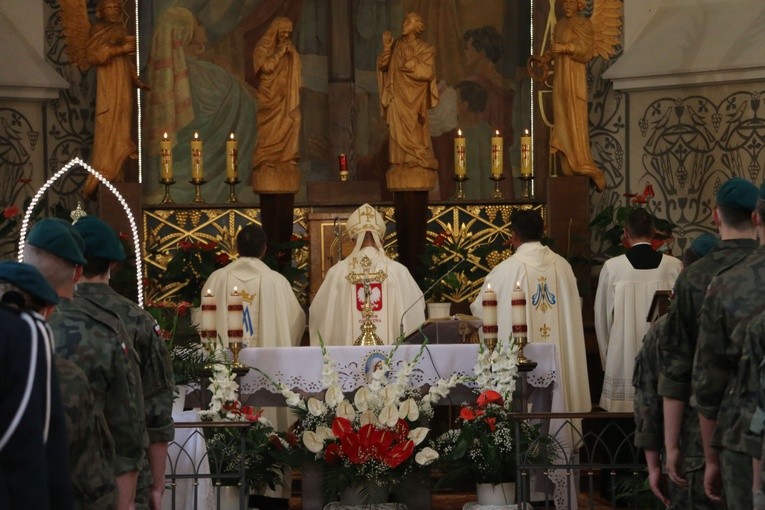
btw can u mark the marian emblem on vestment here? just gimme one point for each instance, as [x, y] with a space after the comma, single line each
[543, 298]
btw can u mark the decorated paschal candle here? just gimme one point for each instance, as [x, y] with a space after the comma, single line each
[235, 309]
[489, 303]
[518, 306]
[209, 308]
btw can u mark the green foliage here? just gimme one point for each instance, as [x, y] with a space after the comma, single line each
[608, 224]
[182, 339]
[635, 489]
[192, 265]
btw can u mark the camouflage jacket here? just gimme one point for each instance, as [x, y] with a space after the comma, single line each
[91, 449]
[154, 359]
[649, 418]
[97, 348]
[734, 296]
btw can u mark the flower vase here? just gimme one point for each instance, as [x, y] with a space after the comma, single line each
[499, 494]
[364, 495]
[229, 497]
[439, 310]
[311, 480]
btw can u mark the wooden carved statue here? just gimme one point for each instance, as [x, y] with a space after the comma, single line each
[107, 46]
[575, 41]
[407, 84]
[277, 67]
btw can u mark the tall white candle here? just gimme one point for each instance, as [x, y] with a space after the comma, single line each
[197, 159]
[518, 306]
[209, 308]
[489, 303]
[235, 329]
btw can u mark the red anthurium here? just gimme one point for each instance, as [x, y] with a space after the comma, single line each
[491, 422]
[367, 435]
[341, 427]
[489, 397]
[399, 453]
[351, 447]
[332, 453]
[467, 414]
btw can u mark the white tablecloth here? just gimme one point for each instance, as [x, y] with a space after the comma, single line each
[299, 368]
[187, 455]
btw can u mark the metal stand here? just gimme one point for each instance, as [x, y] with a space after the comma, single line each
[235, 347]
[198, 190]
[497, 192]
[232, 192]
[460, 193]
[524, 364]
[526, 189]
[167, 199]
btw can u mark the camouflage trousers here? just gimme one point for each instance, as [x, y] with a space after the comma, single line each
[737, 479]
[694, 497]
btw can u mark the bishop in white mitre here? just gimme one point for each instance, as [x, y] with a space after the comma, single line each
[336, 311]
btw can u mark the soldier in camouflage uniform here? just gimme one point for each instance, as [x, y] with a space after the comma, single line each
[736, 199]
[103, 250]
[752, 383]
[734, 296]
[93, 345]
[91, 450]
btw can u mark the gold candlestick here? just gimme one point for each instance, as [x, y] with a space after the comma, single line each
[497, 192]
[460, 193]
[232, 191]
[166, 198]
[198, 190]
[524, 363]
[235, 347]
[526, 189]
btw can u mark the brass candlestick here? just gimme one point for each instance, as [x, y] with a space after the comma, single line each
[460, 193]
[198, 190]
[166, 198]
[232, 191]
[524, 363]
[526, 189]
[235, 347]
[497, 192]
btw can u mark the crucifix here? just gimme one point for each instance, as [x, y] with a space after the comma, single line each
[368, 335]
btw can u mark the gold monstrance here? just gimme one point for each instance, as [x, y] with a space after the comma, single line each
[368, 336]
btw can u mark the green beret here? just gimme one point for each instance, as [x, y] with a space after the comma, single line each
[53, 235]
[101, 240]
[704, 244]
[738, 193]
[75, 234]
[28, 278]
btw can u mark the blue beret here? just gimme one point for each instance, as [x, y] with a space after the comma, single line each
[53, 235]
[704, 244]
[28, 278]
[738, 193]
[101, 240]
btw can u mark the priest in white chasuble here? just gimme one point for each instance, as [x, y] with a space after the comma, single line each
[553, 307]
[272, 315]
[335, 312]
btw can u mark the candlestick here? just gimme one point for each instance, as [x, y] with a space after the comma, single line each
[209, 308]
[166, 159]
[526, 168]
[460, 162]
[231, 155]
[197, 161]
[496, 154]
[489, 327]
[342, 162]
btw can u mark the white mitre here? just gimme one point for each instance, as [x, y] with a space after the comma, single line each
[366, 219]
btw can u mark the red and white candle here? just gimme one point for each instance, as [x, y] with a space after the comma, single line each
[209, 308]
[235, 308]
[518, 307]
[489, 302]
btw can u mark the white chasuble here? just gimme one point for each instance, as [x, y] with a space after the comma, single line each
[336, 310]
[271, 314]
[553, 312]
[621, 309]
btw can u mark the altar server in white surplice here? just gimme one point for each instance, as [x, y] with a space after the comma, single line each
[553, 307]
[626, 287]
[335, 312]
[272, 316]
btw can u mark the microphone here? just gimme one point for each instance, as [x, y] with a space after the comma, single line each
[450, 271]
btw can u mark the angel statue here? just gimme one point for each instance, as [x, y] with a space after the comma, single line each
[107, 46]
[575, 41]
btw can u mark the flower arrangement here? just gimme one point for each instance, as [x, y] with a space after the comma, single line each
[264, 459]
[483, 448]
[193, 263]
[181, 337]
[374, 439]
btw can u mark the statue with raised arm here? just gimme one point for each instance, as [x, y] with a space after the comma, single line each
[277, 68]
[576, 40]
[108, 46]
[407, 83]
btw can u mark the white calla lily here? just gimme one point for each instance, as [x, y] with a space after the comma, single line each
[312, 441]
[425, 456]
[316, 407]
[389, 416]
[345, 410]
[334, 396]
[418, 435]
[325, 433]
[367, 418]
[361, 399]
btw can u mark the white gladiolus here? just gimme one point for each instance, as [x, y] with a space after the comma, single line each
[418, 435]
[316, 407]
[313, 441]
[389, 416]
[345, 410]
[425, 456]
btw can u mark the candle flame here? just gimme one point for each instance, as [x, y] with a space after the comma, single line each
[518, 286]
[196, 135]
[488, 287]
[236, 290]
[459, 132]
[497, 131]
[526, 132]
[165, 135]
[209, 292]
[231, 136]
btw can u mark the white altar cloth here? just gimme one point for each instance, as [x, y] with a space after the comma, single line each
[299, 368]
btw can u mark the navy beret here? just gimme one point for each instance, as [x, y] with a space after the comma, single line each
[101, 240]
[28, 278]
[53, 235]
[738, 193]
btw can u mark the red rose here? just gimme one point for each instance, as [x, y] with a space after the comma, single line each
[489, 397]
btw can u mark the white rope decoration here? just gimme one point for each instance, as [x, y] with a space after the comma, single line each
[128, 212]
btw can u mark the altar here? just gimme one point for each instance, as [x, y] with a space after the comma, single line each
[300, 369]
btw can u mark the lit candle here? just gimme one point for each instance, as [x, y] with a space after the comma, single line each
[518, 306]
[197, 170]
[460, 162]
[526, 169]
[231, 153]
[235, 327]
[166, 156]
[209, 309]
[489, 313]
[342, 162]
[496, 155]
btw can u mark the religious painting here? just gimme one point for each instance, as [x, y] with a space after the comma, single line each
[199, 59]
